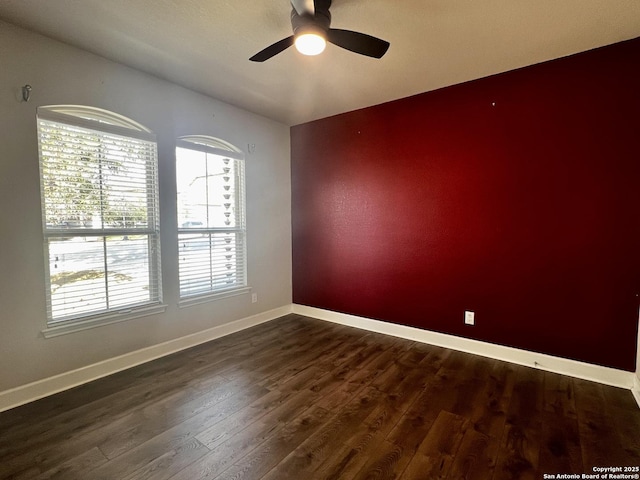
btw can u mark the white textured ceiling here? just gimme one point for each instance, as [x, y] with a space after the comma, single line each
[205, 44]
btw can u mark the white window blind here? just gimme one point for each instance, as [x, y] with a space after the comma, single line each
[211, 217]
[99, 191]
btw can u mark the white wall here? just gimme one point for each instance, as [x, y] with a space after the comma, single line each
[61, 74]
[638, 352]
[635, 389]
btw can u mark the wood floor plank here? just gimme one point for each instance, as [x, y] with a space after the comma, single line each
[277, 406]
[92, 396]
[303, 398]
[560, 439]
[168, 464]
[445, 389]
[261, 366]
[67, 470]
[386, 462]
[169, 440]
[489, 413]
[35, 433]
[622, 410]
[229, 450]
[597, 420]
[521, 439]
[16, 420]
[560, 445]
[348, 385]
[398, 395]
[152, 388]
[125, 432]
[314, 451]
[261, 460]
[221, 436]
[476, 458]
[559, 395]
[172, 411]
[348, 460]
[434, 457]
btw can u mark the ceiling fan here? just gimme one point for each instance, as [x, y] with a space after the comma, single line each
[311, 20]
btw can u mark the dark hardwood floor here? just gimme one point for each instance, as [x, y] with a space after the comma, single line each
[298, 398]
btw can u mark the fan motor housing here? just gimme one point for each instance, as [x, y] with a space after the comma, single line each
[321, 19]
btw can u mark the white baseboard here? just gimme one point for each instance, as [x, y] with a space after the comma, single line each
[636, 388]
[573, 368]
[49, 386]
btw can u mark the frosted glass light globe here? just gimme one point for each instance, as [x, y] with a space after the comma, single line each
[310, 44]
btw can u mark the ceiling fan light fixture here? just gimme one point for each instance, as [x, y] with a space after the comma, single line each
[310, 42]
[311, 24]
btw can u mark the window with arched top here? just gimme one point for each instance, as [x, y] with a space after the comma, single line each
[211, 216]
[99, 191]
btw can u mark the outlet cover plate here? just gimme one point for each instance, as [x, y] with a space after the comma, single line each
[469, 317]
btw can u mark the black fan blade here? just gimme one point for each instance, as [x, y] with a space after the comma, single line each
[272, 50]
[358, 42]
[304, 7]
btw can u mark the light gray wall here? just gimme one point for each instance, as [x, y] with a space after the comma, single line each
[61, 74]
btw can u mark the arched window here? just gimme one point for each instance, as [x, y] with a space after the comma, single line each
[211, 216]
[99, 190]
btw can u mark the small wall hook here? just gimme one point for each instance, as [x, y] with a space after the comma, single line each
[26, 92]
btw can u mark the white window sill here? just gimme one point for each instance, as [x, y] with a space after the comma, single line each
[98, 321]
[212, 297]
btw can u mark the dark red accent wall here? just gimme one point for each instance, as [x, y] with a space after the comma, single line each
[516, 196]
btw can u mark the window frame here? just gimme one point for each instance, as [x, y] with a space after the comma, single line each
[215, 146]
[104, 123]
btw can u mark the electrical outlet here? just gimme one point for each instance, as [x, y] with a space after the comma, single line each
[469, 317]
[254, 298]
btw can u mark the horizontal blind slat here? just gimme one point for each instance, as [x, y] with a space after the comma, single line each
[210, 183]
[97, 182]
